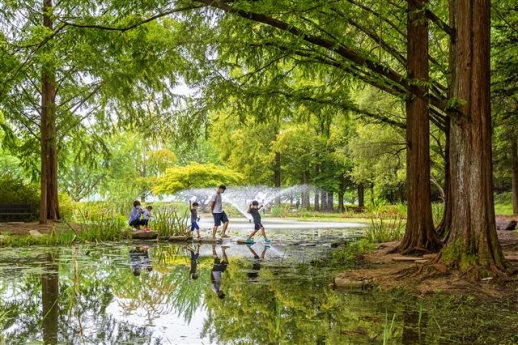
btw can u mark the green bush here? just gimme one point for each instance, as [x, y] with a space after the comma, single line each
[66, 206]
[15, 191]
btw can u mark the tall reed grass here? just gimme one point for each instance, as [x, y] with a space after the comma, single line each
[169, 220]
[385, 229]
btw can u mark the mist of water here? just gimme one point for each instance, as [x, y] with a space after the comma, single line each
[241, 197]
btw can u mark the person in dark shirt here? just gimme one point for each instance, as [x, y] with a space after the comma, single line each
[139, 259]
[193, 207]
[253, 209]
[256, 263]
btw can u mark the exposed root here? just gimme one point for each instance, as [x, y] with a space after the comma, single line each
[416, 251]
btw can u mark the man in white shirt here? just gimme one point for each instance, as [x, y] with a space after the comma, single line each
[216, 207]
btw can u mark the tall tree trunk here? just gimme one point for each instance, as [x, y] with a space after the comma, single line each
[514, 176]
[420, 234]
[341, 194]
[305, 191]
[277, 176]
[361, 196]
[442, 229]
[323, 200]
[329, 203]
[472, 239]
[316, 199]
[49, 204]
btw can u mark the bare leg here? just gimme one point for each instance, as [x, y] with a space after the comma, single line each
[224, 254]
[224, 230]
[214, 254]
[253, 252]
[214, 229]
[198, 232]
[252, 234]
[263, 232]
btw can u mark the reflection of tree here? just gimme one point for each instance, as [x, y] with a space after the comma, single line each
[163, 290]
[286, 303]
[49, 298]
[275, 310]
[84, 295]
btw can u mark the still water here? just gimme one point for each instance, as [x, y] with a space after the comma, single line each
[164, 293]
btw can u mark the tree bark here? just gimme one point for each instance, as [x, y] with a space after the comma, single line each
[442, 228]
[49, 203]
[330, 204]
[277, 176]
[420, 235]
[514, 176]
[472, 241]
[341, 208]
[305, 191]
[361, 196]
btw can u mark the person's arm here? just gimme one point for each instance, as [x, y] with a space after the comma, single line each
[260, 207]
[249, 208]
[212, 203]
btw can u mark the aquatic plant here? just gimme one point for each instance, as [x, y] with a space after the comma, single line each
[385, 229]
[170, 220]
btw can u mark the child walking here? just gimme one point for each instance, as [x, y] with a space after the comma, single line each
[253, 209]
[193, 207]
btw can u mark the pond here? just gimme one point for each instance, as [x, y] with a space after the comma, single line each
[144, 293]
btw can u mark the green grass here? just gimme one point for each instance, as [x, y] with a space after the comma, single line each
[504, 209]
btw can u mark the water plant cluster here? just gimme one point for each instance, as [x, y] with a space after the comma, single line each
[101, 222]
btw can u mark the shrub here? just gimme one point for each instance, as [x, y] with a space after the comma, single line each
[15, 191]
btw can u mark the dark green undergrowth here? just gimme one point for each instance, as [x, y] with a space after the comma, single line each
[453, 319]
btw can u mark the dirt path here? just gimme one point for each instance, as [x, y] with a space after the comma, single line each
[421, 275]
[22, 228]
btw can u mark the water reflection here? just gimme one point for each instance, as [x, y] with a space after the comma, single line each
[218, 268]
[139, 259]
[49, 298]
[90, 295]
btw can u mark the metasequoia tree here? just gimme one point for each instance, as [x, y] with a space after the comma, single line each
[49, 203]
[472, 239]
[472, 233]
[504, 98]
[65, 81]
[420, 233]
[320, 46]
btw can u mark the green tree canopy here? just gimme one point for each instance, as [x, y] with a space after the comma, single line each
[195, 175]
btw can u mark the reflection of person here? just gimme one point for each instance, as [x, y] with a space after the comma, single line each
[256, 264]
[220, 265]
[194, 217]
[148, 213]
[134, 219]
[139, 260]
[195, 254]
[253, 209]
[216, 207]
